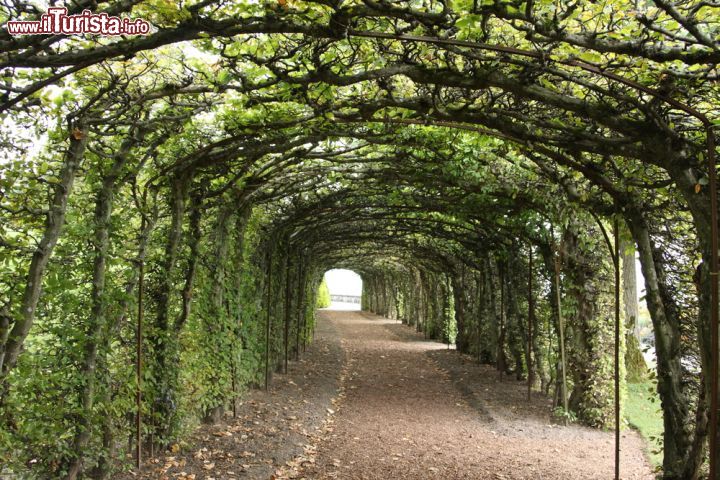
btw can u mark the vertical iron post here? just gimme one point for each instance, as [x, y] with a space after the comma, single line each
[138, 362]
[268, 318]
[501, 333]
[301, 290]
[712, 181]
[288, 285]
[616, 261]
[530, 323]
[561, 330]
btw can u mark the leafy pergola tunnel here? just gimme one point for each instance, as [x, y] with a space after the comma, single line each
[170, 201]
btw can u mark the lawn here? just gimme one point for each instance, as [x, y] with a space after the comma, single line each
[642, 412]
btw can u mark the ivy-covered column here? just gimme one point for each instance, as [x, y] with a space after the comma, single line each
[162, 335]
[590, 323]
[462, 309]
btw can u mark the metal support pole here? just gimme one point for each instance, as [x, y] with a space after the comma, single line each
[484, 307]
[268, 318]
[614, 248]
[501, 333]
[616, 261]
[712, 181]
[138, 363]
[300, 313]
[288, 290]
[530, 324]
[234, 388]
[561, 331]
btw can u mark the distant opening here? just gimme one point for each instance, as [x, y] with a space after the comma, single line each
[345, 289]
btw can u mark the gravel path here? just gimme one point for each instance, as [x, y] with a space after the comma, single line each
[371, 399]
[414, 410]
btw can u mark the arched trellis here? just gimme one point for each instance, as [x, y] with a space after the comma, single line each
[713, 212]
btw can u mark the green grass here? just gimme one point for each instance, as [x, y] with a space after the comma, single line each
[644, 415]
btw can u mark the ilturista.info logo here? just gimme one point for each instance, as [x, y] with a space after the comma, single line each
[56, 21]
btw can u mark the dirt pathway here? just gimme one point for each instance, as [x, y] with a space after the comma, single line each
[412, 410]
[371, 399]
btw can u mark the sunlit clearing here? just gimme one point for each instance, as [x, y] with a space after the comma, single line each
[345, 289]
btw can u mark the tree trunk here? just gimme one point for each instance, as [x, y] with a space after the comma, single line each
[162, 336]
[214, 322]
[500, 358]
[635, 366]
[699, 202]
[97, 321]
[663, 311]
[590, 328]
[195, 214]
[24, 315]
[515, 334]
[491, 313]
[461, 311]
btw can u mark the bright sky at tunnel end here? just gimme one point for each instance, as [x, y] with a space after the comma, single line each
[343, 282]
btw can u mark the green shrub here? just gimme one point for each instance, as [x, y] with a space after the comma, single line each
[323, 295]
